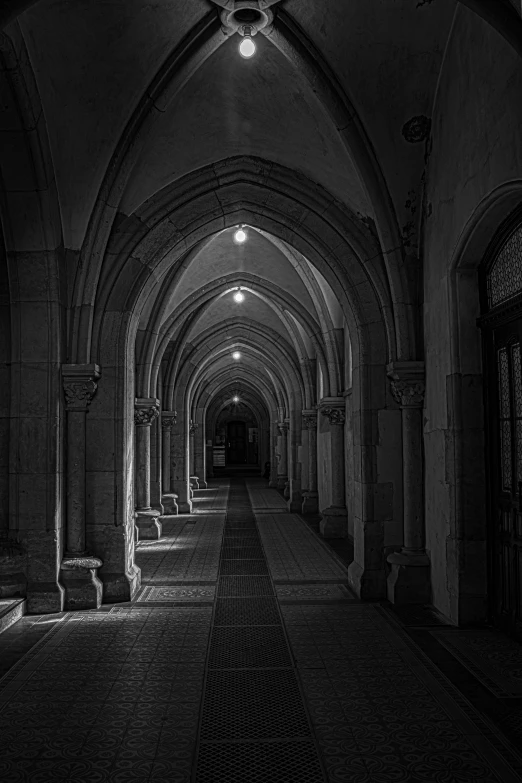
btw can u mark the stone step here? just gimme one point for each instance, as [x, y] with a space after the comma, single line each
[11, 610]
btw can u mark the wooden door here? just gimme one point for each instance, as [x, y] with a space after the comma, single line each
[506, 479]
[236, 443]
[502, 297]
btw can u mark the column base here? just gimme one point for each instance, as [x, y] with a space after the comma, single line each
[118, 586]
[295, 504]
[334, 522]
[409, 581]
[272, 483]
[310, 503]
[367, 584]
[169, 504]
[44, 597]
[281, 482]
[83, 589]
[184, 507]
[286, 490]
[202, 483]
[148, 524]
[194, 482]
[13, 585]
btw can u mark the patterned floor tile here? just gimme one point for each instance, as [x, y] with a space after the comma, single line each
[299, 592]
[119, 695]
[489, 656]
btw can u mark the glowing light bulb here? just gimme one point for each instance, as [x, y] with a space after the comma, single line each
[247, 47]
[239, 296]
[236, 355]
[240, 236]
[236, 399]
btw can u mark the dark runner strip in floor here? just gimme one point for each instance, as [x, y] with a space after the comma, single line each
[254, 725]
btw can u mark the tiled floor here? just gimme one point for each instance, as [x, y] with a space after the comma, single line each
[245, 658]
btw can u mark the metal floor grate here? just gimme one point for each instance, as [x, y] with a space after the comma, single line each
[242, 552]
[246, 611]
[243, 586]
[253, 646]
[241, 538]
[253, 704]
[264, 762]
[243, 567]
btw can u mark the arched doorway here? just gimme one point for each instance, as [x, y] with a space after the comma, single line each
[236, 443]
[501, 293]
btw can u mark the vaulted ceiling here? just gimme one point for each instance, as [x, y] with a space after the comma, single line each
[138, 97]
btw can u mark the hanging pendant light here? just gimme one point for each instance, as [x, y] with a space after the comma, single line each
[247, 47]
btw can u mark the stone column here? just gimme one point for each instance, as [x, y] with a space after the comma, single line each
[168, 498]
[334, 521]
[155, 466]
[274, 455]
[295, 497]
[83, 589]
[194, 480]
[199, 450]
[147, 518]
[282, 468]
[409, 581]
[311, 496]
[180, 464]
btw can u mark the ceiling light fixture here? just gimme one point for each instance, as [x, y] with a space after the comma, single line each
[247, 47]
[236, 355]
[240, 236]
[239, 296]
[236, 398]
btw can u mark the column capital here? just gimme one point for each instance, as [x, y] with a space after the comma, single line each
[193, 427]
[309, 419]
[408, 385]
[146, 409]
[334, 408]
[79, 385]
[284, 426]
[168, 419]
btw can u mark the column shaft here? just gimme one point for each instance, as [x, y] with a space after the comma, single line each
[165, 458]
[412, 471]
[143, 467]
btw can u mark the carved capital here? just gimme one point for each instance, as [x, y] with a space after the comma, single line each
[283, 427]
[407, 383]
[145, 411]
[409, 394]
[143, 417]
[193, 427]
[334, 415]
[309, 421]
[79, 385]
[168, 419]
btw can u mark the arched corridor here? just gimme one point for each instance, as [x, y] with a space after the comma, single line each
[261, 326]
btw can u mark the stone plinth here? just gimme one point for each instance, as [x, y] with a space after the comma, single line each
[334, 522]
[148, 523]
[170, 505]
[83, 589]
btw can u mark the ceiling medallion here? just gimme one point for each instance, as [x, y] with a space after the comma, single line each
[417, 129]
[246, 17]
